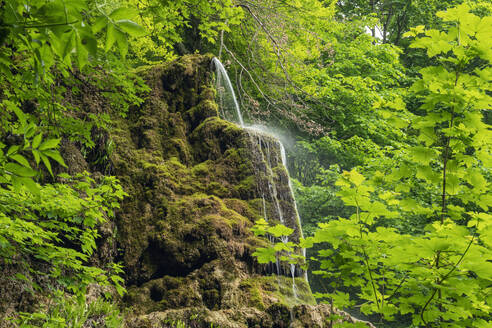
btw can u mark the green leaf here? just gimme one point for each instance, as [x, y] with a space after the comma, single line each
[81, 52]
[477, 180]
[341, 299]
[20, 276]
[260, 227]
[422, 155]
[19, 170]
[64, 176]
[122, 43]
[100, 23]
[265, 255]
[30, 130]
[355, 177]
[89, 42]
[21, 160]
[110, 37]
[131, 27]
[35, 153]
[56, 156]
[69, 44]
[280, 230]
[30, 185]
[123, 13]
[36, 141]
[49, 144]
[20, 114]
[47, 163]
[306, 242]
[282, 247]
[12, 150]
[426, 173]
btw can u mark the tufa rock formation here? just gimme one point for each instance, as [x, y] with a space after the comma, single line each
[183, 231]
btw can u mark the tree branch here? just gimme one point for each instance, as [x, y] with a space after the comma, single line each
[39, 26]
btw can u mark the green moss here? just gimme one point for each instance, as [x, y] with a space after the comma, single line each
[205, 109]
[192, 207]
[246, 188]
[239, 159]
[202, 169]
[217, 188]
[255, 298]
[232, 155]
[279, 289]
[214, 136]
[243, 208]
[265, 291]
[203, 207]
[180, 148]
[213, 124]
[279, 171]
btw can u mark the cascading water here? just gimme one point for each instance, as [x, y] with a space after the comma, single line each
[265, 158]
[227, 100]
[270, 165]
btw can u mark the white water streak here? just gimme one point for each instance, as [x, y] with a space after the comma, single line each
[223, 76]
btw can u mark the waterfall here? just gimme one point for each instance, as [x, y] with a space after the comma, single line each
[228, 105]
[269, 162]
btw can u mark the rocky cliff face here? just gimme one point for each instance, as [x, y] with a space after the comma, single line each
[196, 184]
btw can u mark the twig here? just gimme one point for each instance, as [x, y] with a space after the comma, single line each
[247, 71]
[39, 26]
[446, 277]
[277, 47]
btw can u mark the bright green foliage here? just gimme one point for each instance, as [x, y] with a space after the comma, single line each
[73, 312]
[318, 202]
[56, 32]
[176, 27]
[36, 220]
[15, 169]
[280, 247]
[441, 275]
[36, 226]
[395, 17]
[43, 43]
[422, 188]
[50, 229]
[304, 78]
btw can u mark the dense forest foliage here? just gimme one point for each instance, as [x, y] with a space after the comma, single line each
[384, 106]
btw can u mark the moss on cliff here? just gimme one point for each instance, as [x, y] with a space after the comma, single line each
[189, 180]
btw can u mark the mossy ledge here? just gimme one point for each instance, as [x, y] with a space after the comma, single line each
[183, 233]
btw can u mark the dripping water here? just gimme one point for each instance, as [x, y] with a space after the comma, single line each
[293, 272]
[284, 161]
[270, 238]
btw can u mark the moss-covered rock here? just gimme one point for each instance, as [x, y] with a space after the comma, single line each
[196, 185]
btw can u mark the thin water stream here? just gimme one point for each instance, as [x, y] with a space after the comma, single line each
[227, 98]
